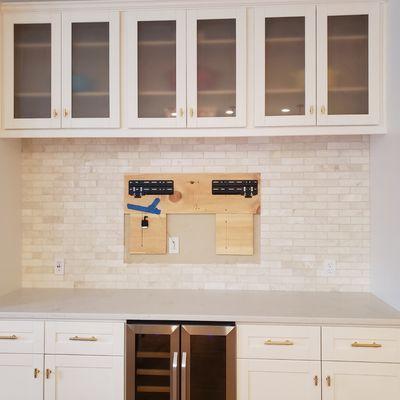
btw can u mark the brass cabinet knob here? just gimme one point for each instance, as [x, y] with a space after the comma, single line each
[181, 112]
[329, 381]
[312, 110]
[36, 373]
[316, 380]
[323, 110]
[191, 112]
[48, 373]
[66, 112]
[55, 113]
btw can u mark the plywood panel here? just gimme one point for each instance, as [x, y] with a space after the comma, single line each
[196, 233]
[193, 195]
[234, 234]
[152, 240]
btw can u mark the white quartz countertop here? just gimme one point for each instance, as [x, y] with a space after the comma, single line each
[199, 305]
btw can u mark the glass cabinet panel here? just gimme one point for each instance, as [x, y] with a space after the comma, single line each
[152, 362]
[348, 75]
[285, 66]
[216, 68]
[32, 70]
[207, 367]
[210, 368]
[157, 69]
[90, 70]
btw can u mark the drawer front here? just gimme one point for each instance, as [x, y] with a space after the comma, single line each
[22, 337]
[85, 338]
[279, 342]
[361, 344]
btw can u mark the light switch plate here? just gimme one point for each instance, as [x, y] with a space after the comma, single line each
[59, 267]
[173, 245]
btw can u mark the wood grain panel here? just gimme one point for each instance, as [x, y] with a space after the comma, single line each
[152, 240]
[193, 195]
[234, 234]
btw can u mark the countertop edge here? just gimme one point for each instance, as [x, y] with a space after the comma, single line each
[322, 321]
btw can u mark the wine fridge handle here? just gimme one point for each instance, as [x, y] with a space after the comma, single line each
[183, 367]
[175, 377]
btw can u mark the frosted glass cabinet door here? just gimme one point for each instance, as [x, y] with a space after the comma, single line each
[156, 69]
[91, 70]
[349, 64]
[285, 51]
[216, 49]
[32, 53]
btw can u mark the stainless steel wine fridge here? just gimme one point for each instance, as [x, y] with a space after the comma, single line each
[181, 361]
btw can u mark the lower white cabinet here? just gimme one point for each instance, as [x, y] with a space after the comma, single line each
[21, 376]
[360, 381]
[84, 377]
[279, 380]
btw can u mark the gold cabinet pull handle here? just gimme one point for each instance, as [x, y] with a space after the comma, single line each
[181, 112]
[312, 110]
[329, 381]
[372, 345]
[270, 342]
[12, 337]
[66, 112]
[83, 339]
[323, 110]
[191, 112]
[36, 373]
[48, 373]
[55, 113]
[316, 380]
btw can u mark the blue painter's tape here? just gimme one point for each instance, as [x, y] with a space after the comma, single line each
[151, 209]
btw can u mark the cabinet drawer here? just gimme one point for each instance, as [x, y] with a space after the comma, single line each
[22, 337]
[361, 344]
[279, 342]
[85, 338]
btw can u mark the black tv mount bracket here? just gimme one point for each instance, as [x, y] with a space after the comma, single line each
[246, 188]
[140, 188]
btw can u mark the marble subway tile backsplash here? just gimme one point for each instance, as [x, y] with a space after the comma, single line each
[315, 207]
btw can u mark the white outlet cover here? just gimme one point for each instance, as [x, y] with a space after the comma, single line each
[330, 268]
[59, 267]
[173, 245]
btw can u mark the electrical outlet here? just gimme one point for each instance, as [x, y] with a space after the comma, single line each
[59, 267]
[329, 267]
[173, 245]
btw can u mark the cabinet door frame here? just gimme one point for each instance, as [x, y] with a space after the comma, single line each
[131, 71]
[9, 20]
[279, 11]
[52, 362]
[193, 15]
[374, 60]
[31, 362]
[113, 18]
[311, 368]
[332, 368]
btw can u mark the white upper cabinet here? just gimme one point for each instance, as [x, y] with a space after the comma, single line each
[285, 65]
[276, 68]
[216, 67]
[324, 71]
[155, 69]
[349, 64]
[91, 70]
[32, 70]
[186, 69]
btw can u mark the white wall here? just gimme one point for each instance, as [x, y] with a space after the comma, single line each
[10, 215]
[385, 179]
